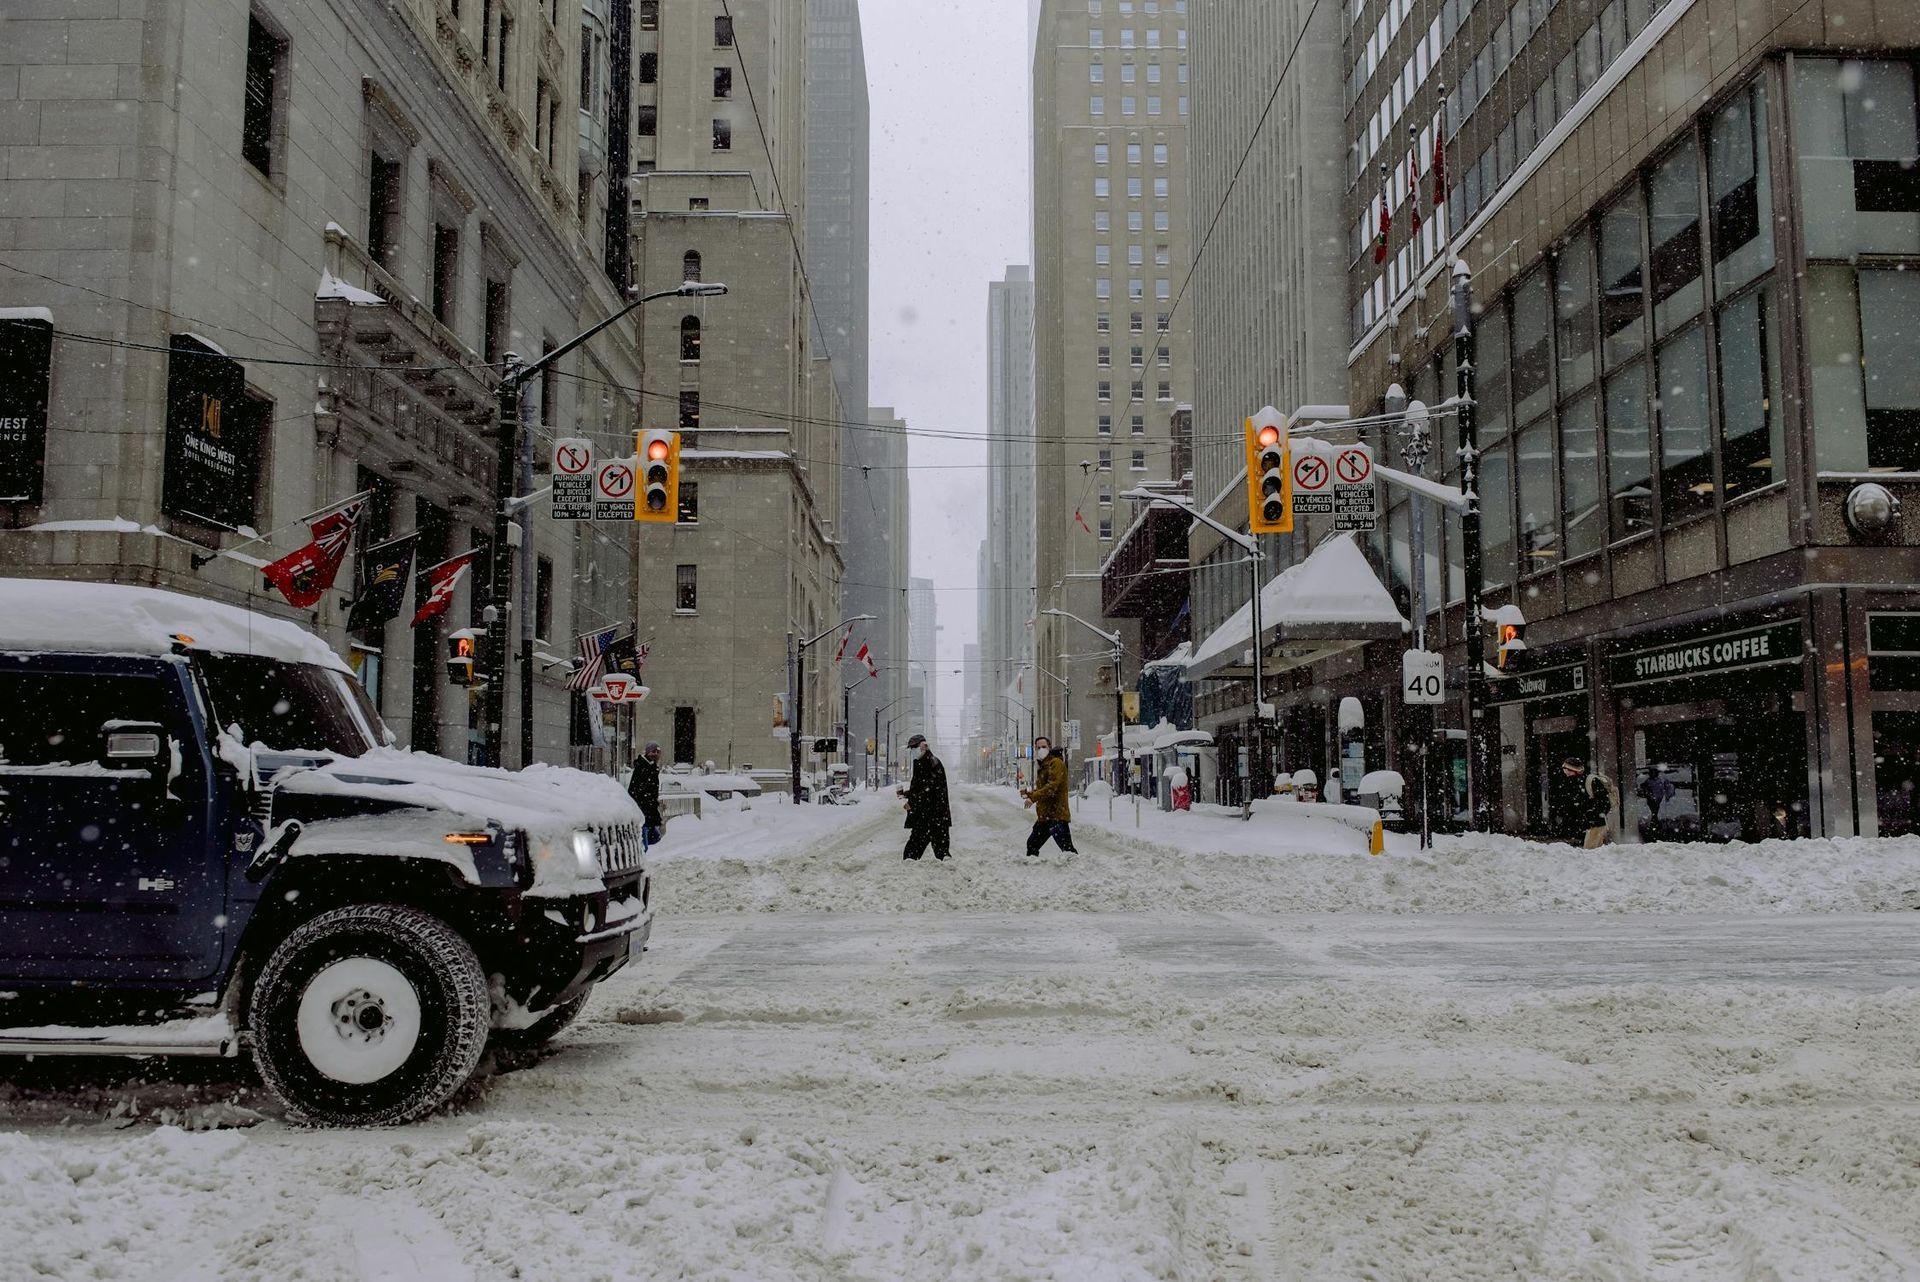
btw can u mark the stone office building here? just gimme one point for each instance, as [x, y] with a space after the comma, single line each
[329, 221]
[1693, 227]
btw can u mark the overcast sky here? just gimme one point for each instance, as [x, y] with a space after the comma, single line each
[948, 85]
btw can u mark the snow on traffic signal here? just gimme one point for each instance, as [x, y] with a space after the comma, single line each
[1269, 487]
[659, 476]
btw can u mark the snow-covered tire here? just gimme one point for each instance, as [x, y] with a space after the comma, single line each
[369, 1015]
[542, 1030]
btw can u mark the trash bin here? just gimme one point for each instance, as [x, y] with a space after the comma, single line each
[1385, 791]
[1179, 789]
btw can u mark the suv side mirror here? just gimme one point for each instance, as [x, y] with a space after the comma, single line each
[133, 745]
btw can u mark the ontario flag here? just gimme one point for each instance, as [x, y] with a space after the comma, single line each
[302, 576]
[442, 579]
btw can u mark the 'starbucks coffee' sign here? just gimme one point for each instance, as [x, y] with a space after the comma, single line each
[1706, 656]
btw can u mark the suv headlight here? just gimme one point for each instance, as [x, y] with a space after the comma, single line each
[586, 854]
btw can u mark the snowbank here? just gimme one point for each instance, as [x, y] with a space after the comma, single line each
[824, 858]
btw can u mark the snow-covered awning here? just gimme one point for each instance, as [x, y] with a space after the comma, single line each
[1330, 602]
[1139, 740]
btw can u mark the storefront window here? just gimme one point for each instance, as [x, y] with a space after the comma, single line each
[1490, 377]
[1573, 308]
[1622, 282]
[1673, 220]
[1861, 332]
[1686, 441]
[1496, 515]
[1854, 127]
[1751, 425]
[1740, 190]
[1629, 452]
[1580, 498]
[1532, 347]
[1538, 509]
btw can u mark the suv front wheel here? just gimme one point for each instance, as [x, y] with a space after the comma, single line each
[369, 1015]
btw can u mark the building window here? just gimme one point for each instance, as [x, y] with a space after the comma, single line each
[649, 15]
[690, 411]
[1751, 426]
[1136, 257]
[1127, 104]
[501, 60]
[1532, 348]
[1855, 132]
[1104, 459]
[1139, 357]
[1136, 289]
[1126, 37]
[697, 203]
[1622, 288]
[1099, 153]
[723, 82]
[1153, 104]
[684, 745]
[1629, 452]
[384, 208]
[1096, 105]
[1133, 153]
[1862, 330]
[1138, 389]
[1165, 390]
[446, 273]
[1104, 425]
[1133, 323]
[1739, 191]
[1686, 440]
[1160, 188]
[686, 588]
[1580, 504]
[1159, 153]
[1137, 424]
[1539, 508]
[259, 123]
[1153, 38]
[1153, 73]
[1106, 528]
[689, 339]
[1106, 497]
[1138, 462]
[689, 513]
[646, 120]
[1160, 222]
[1096, 38]
[690, 266]
[649, 68]
[1496, 514]
[1103, 287]
[1100, 188]
[1102, 220]
[1573, 312]
[493, 326]
[1163, 288]
[1162, 357]
[1096, 74]
[1133, 220]
[1673, 219]
[1103, 323]
[1163, 322]
[1162, 256]
[1105, 390]
[723, 32]
[1105, 357]
[722, 135]
[1102, 255]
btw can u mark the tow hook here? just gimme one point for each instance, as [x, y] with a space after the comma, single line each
[275, 852]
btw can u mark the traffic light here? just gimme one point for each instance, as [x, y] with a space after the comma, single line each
[659, 477]
[1510, 627]
[460, 655]
[1269, 486]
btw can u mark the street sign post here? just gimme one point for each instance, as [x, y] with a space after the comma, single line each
[573, 479]
[1073, 735]
[1423, 677]
[1356, 494]
[613, 483]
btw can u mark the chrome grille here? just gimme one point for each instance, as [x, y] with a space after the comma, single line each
[620, 848]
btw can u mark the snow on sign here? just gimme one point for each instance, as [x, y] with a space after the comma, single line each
[613, 490]
[1423, 677]
[573, 479]
[1356, 495]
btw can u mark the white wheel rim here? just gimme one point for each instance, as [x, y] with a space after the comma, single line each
[359, 1020]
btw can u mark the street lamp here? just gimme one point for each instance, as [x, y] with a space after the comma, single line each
[514, 444]
[846, 719]
[797, 672]
[1066, 693]
[1119, 709]
[876, 732]
[1026, 708]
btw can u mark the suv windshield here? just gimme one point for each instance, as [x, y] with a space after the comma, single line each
[290, 706]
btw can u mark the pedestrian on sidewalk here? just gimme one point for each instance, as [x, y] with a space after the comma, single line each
[1595, 798]
[929, 816]
[1048, 797]
[644, 788]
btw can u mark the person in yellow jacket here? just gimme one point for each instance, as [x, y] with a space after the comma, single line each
[1048, 797]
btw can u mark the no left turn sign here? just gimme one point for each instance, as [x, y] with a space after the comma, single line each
[1310, 472]
[615, 481]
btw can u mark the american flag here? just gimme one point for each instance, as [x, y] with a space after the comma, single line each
[593, 657]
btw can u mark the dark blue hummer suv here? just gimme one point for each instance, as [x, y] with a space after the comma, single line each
[206, 841]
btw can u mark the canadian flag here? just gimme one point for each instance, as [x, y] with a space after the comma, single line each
[864, 655]
[442, 579]
[841, 653]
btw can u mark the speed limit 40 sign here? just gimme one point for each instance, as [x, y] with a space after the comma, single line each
[1423, 677]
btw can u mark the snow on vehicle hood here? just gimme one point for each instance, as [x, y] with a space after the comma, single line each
[114, 618]
[548, 803]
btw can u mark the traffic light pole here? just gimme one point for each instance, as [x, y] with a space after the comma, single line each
[511, 391]
[1479, 809]
[797, 684]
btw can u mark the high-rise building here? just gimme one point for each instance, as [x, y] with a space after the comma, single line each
[923, 641]
[308, 234]
[879, 495]
[1006, 582]
[1113, 355]
[1692, 232]
[719, 194]
[1269, 318]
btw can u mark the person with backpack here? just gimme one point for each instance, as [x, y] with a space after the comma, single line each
[1594, 800]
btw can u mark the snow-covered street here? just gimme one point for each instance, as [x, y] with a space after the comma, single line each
[1177, 1054]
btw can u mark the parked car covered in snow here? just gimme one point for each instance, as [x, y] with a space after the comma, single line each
[206, 840]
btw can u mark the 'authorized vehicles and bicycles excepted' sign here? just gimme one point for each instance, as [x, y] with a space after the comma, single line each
[573, 479]
[1707, 656]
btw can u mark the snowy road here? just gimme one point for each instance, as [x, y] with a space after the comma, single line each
[985, 1071]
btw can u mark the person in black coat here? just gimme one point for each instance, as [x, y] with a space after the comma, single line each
[929, 817]
[644, 788]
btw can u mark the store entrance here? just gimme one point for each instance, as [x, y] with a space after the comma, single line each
[1708, 772]
[1553, 809]
[1896, 771]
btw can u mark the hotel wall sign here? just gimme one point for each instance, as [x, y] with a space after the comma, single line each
[1708, 656]
[26, 380]
[213, 437]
